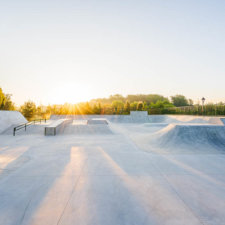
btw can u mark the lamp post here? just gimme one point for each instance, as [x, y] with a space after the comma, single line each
[203, 101]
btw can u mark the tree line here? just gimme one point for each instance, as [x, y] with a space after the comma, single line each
[116, 104]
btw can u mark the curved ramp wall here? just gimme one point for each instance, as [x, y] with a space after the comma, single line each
[223, 120]
[191, 135]
[10, 118]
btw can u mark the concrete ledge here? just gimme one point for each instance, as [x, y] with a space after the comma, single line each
[57, 126]
[139, 113]
[97, 121]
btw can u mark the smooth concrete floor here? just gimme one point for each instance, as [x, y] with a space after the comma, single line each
[106, 180]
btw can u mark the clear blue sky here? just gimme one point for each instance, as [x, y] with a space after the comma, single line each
[70, 51]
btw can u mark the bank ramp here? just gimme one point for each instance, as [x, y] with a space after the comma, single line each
[192, 136]
[9, 119]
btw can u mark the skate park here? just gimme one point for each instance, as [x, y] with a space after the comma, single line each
[112, 169]
[112, 112]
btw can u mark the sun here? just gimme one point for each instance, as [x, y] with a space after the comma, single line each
[70, 93]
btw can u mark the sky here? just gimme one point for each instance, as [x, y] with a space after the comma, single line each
[59, 51]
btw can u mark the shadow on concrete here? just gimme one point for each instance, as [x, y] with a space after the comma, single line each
[28, 180]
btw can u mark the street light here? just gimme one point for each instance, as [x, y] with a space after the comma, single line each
[203, 101]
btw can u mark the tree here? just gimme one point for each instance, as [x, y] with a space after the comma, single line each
[41, 111]
[145, 106]
[87, 108]
[167, 104]
[140, 106]
[97, 108]
[9, 105]
[179, 100]
[159, 104]
[190, 102]
[127, 107]
[150, 98]
[133, 105]
[6, 102]
[117, 104]
[116, 97]
[2, 99]
[28, 109]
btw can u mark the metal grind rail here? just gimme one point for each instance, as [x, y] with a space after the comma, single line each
[25, 125]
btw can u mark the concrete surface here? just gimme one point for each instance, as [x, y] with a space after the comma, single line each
[115, 174]
[10, 119]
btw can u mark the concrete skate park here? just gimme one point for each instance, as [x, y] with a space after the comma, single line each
[112, 170]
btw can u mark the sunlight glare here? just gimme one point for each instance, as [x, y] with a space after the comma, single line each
[70, 93]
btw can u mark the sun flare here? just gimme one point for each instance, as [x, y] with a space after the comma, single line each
[70, 93]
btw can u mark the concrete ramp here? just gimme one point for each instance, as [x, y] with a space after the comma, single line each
[9, 119]
[191, 136]
[85, 127]
[143, 117]
[223, 120]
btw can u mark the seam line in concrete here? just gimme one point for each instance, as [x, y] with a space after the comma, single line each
[28, 204]
[72, 192]
[185, 204]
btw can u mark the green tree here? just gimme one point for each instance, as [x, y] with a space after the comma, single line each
[127, 107]
[117, 104]
[97, 108]
[28, 109]
[150, 98]
[140, 106]
[9, 105]
[190, 102]
[159, 104]
[6, 102]
[167, 104]
[2, 99]
[133, 105]
[41, 111]
[145, 106]
[179, 100]
[87, 108]
[116, 97]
